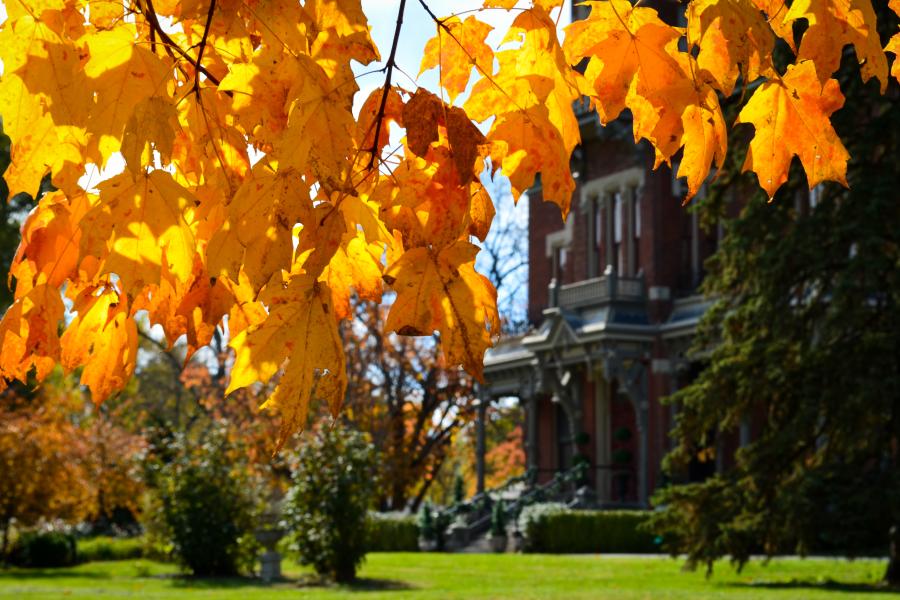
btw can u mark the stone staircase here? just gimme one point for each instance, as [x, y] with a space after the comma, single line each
[471, 520]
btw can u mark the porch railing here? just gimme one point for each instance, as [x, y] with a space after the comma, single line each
[598, 290]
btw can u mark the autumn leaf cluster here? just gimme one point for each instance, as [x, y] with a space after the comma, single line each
[254, 197]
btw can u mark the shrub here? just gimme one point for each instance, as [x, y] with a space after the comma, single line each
[498, 519]
[556, 529]
[206, 507]
[427, 528]
[326, 507]
[44, 549]
[391, 532]
[110, 548]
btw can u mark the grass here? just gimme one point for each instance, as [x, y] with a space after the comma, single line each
[414, 576]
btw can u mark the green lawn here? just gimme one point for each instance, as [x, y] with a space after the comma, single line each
[411, 576]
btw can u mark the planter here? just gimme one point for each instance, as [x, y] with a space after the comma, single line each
[270, 560]
[498, 543]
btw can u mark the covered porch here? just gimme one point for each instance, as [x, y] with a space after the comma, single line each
[582, 380]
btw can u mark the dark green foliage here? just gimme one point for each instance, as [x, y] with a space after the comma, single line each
[557, 530]
[622, 434]
[44, 550]
[803, 343]
[110, 548]
[621, 456]
[391, 532]
[426, 523]
[325, 510]
[433, 524]
[498, 519]
[206, 506]
[459, 489]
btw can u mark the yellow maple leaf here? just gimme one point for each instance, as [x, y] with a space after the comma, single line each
[300, 333]
[260, 89]
[705, 140]
[38, 146]
[48, 66]
[262, 215]
[456, 50]
[148, 219]
[50, 240]
[356, 265]
[893, 45]
[102, 337]
[621, 41]
[527, 143]
[319, 136]
[834, 24]
[29, 334]
[791, 117]
[733, 37]
[151, 127]
[442, 292]
[123, 74]
[776, 13]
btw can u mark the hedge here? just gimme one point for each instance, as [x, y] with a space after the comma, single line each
[554, 529]
[110, 548]
[44, 550]
[392, 532]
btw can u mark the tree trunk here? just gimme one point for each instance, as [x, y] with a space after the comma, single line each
[892, 576]
[399, 476]
[4, 548]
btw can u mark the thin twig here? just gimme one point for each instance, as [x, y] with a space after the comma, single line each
[198, 65]
[389, 68]
[169, 44]
[440, 23]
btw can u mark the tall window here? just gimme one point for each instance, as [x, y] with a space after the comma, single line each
[636, 226]
[618, 229]
[559, 263]
[598, 236]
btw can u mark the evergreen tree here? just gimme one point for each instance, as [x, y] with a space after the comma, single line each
[803, 344]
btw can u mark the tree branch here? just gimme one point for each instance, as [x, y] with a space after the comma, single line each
[389, 68]
[169, 44]
[202, 46]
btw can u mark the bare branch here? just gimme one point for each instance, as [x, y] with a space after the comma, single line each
[389, 68]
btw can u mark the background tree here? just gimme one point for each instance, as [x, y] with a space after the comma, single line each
[504, 456]
[402, 393]
[43, 464]
[114, 462]
[504, 256]
[802, 344]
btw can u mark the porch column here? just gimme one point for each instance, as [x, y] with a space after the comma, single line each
[479, 443]
[602, 437]
[531, 432]
[643, 435]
